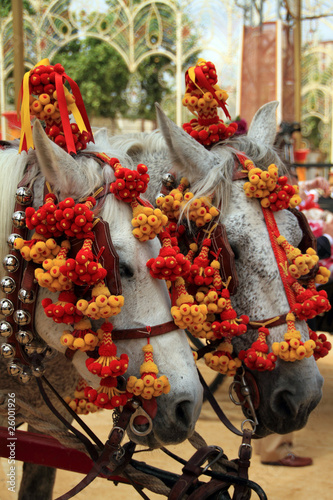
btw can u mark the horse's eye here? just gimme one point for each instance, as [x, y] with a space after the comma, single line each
[125, 270]
[235, 250]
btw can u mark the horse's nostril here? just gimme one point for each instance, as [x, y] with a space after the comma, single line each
[284, 405]
[184, 413]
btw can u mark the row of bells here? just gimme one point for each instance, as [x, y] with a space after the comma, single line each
[21, 317]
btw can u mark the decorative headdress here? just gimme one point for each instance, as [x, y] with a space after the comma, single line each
[202, 98]
[44, 96]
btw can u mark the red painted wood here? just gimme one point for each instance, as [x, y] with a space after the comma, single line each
[46, 450]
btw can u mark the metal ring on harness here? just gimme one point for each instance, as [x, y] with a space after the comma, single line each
[140, 412]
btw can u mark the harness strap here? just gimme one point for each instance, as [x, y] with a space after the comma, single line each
[270, 322]
[245, 453]
[216, 407]
[88, 444]
[191, 471]
[142, 332]
[108, 458]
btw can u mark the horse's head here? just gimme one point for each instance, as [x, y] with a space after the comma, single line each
[292, 390]
[146, 302]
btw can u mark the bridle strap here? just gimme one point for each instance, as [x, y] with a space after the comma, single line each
[107, 457]
[144, 332]
[84, 440]
[270, 322]
[216, 407]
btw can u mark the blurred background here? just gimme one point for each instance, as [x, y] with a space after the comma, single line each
[126, 55]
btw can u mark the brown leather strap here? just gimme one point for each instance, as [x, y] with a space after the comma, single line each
[216, 407]
[226, 257]
[206, 490]
[254, 325]
[109, 257]
[144, 331]
[107, 457]
[245, 453]
[191, 471]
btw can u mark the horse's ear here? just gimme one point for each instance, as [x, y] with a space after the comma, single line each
[54, 162]
[186, 154]
[101, 136]
[263, 125]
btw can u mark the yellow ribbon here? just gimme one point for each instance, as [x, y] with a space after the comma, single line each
[76, 113]
[25, 109]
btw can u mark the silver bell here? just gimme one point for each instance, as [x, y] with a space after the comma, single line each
[168, 180]
[11, 240]
[24, 337]
[34, 348]
[26, 296]
[18, 219]
[24, 377]
[6, 328]
[160, 195]
[50, 353]
[7, 351]
[6, 307]
[14, 369]
[21, 317]
[24, 195]
[8, 284]
[11, 263]
[38, 371]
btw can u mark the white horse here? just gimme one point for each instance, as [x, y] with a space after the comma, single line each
[289, 393]
[146, 300]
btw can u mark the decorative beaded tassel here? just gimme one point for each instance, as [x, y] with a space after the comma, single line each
[202, 98]
[300, 264]
[107, 365]
[186, 313]
[82, 337]
[50, 276]
[107, 396]
[221, 360]
[148, 385]
[170, 262]
[79, 402]
[292, 348]
[171, 203]
[257, 356]
[147, 221]
[102, 304]
[45, 97]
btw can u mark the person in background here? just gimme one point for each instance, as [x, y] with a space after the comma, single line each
[275, 449]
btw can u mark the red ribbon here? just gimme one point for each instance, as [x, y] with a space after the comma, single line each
[203, 82]
[59, 82]
[64, 113]
[79, 103]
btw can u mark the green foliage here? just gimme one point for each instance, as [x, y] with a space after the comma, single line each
[103, 76]
[99, 71]
[6, 7]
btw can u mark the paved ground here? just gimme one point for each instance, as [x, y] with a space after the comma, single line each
[279, 483]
